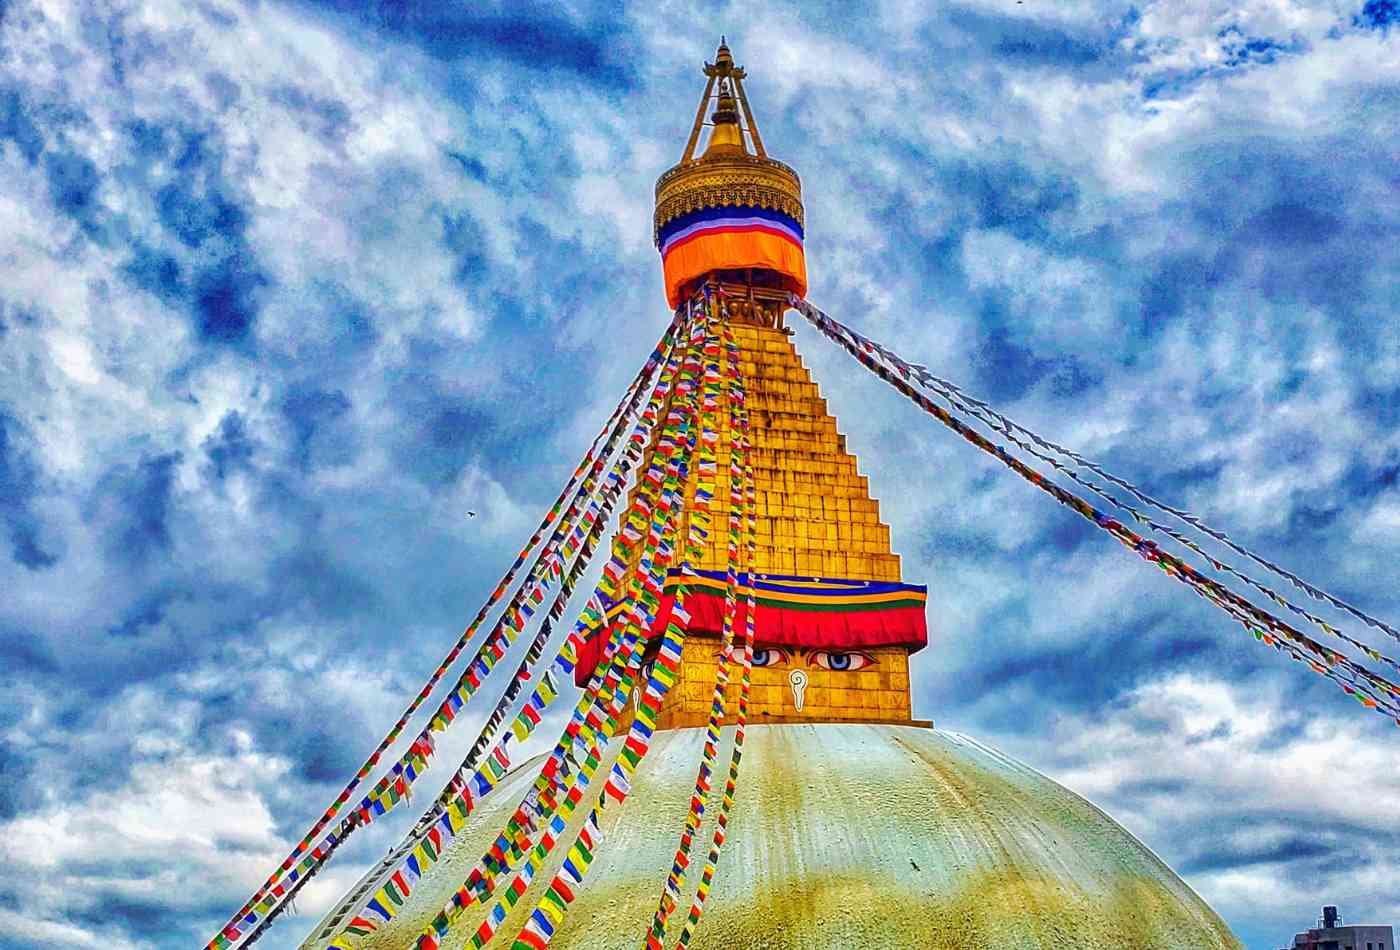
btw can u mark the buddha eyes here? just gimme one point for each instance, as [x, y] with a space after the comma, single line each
[769, 656]
[842, 662]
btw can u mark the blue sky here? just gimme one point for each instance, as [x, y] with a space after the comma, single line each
[287, 288]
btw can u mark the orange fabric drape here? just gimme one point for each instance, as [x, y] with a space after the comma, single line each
[725, 250]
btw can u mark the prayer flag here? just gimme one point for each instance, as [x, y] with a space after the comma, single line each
[360, 927]
[381, 905]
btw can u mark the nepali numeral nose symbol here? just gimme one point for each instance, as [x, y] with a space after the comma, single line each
[798, 679]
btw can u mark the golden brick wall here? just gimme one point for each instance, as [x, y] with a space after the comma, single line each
[815, 513]
[814, 517]
[879, 693]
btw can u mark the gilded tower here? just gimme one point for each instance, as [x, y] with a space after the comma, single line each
[835, 623]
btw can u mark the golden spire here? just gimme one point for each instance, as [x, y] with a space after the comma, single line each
[734, 173]
[728, 135]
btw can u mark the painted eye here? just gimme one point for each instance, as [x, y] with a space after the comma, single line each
[842, 662]
[769, 656]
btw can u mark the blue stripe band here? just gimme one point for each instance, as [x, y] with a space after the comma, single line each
[671, 228]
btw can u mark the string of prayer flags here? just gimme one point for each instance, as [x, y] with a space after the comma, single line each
[612, 691]
[560, 781]
[662, 676]
[516, 616]
[302, 858]
[731, 784]
[963, 402]
[470, 785]
[1014, 432]
[1353, 678]
[675, 882]
[604, 702]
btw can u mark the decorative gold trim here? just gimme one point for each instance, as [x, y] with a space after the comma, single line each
[734, 180]
[758, 166]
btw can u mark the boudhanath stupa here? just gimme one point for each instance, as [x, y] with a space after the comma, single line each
[854, 824]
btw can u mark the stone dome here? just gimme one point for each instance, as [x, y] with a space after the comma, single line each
[859, 836]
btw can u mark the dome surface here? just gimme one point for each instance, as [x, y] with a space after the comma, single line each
[858, 836]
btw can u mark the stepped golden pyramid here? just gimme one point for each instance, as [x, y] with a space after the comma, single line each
[814, 518]
[853, 825]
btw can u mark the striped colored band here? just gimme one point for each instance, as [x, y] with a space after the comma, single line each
[803, 593]
[729, 226]
[728, 219]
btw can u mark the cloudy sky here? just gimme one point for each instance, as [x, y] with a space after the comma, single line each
[286, 288]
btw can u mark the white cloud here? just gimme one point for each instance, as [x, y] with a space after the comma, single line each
[1052, 297]
[176, 816]
[1215, 752]
[57, 934]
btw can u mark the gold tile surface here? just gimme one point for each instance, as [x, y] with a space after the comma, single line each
[814, 516]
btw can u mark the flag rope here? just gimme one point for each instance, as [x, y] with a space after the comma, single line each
[549, 910]
[746, 492]
[960, 401]
[653, 505]
[721, 830]
[675, 881]
[1368, 688]
[472, 774]
[959, 398]
[456, 801]
[272, 891]
[623, 665]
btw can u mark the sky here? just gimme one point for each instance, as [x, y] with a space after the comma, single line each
[288, 288]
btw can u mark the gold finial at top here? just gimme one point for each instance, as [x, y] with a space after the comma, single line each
[727, 137]
[729, 172]
[722, 55]
[728, 133]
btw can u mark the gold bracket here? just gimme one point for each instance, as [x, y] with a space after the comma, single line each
[699, 117]
[748, 114]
